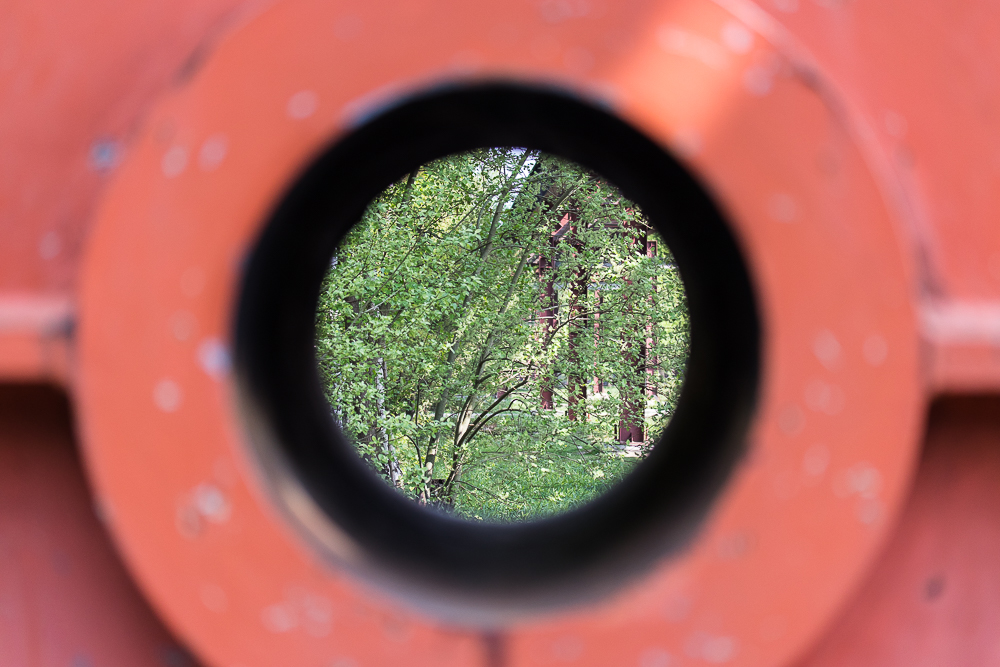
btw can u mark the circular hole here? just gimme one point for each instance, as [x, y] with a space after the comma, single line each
[488, 572]
[503, 335]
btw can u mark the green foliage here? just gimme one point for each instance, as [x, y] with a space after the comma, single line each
[476, 293]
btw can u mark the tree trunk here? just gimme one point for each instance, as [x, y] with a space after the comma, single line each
[631, 427]
[391, 468]
[598, 301]
[484, 254]
[550, 312]
[652, 361]
[576, 385]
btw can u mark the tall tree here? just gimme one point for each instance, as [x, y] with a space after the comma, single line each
[465, 316]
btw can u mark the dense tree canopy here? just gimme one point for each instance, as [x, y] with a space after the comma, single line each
[502, 334]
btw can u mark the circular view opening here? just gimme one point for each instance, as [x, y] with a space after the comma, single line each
[502, 335]
[567, 323]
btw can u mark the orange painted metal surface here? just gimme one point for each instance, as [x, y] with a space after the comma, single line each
[934, 596]
[65, 599]
[35, 334]
[923, 75]
[834, 439]
[851, 146]
[76, 82]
